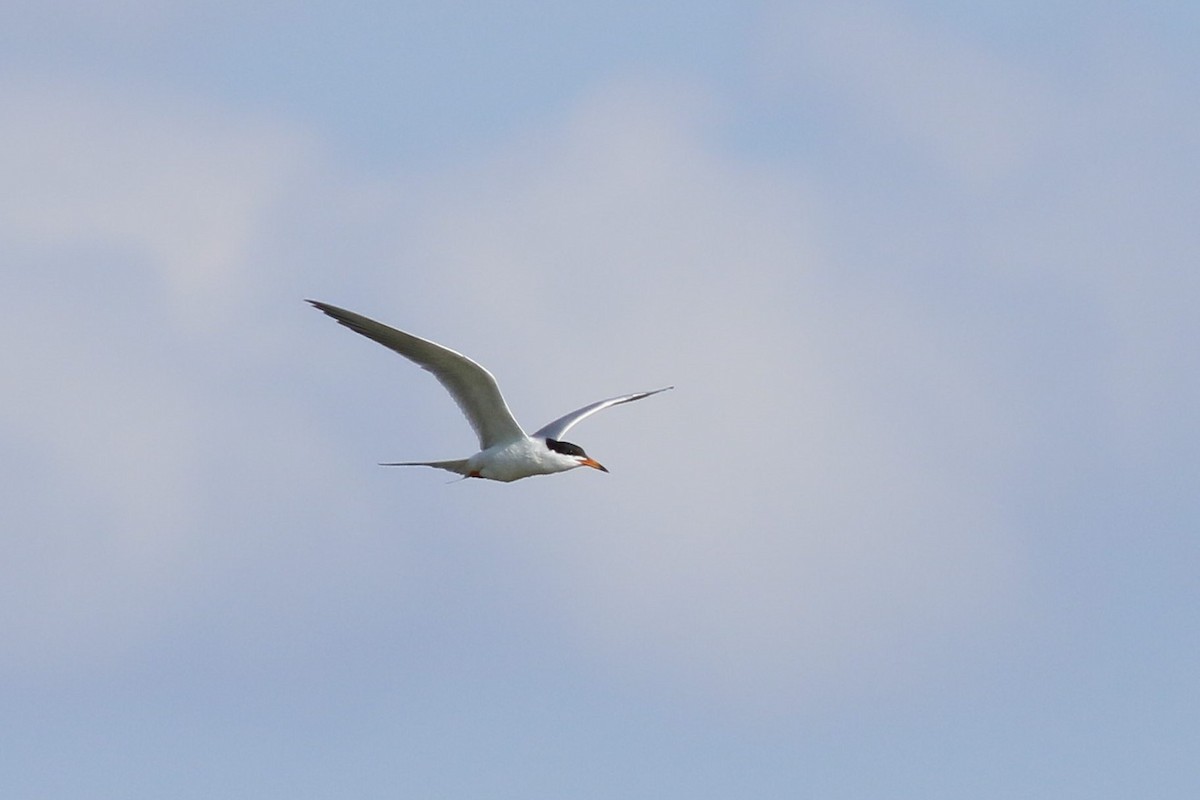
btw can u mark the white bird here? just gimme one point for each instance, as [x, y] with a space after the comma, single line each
[506, 452]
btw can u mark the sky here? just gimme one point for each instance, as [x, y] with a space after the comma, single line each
[919, 520]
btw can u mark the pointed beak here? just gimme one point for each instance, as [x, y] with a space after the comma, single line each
[593, 463]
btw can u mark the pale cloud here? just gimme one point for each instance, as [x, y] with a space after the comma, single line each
[129, 226]
[1077, 187]
[180, 189]
[971, 113]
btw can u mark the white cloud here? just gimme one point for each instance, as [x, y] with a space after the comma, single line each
[1076, 187]
[129, 226]
[973, 114]
[181, 189]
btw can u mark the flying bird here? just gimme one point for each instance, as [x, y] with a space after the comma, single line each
[506, 452]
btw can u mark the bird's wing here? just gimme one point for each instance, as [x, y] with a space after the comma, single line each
[560, 426]
[471, 386]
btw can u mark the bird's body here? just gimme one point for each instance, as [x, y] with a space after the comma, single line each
[522, 458]
[506, 452]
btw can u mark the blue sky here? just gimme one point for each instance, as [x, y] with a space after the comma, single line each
[919, 520]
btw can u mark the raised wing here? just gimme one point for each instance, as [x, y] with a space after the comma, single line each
[471, 386]
[560, 426]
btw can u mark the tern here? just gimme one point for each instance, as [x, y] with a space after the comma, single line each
[506, 452]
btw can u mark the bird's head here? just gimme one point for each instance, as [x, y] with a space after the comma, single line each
[574, 452]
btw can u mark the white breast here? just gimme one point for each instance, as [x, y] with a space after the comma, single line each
[519, 459]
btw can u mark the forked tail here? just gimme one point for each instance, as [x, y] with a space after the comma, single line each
[459, 467]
